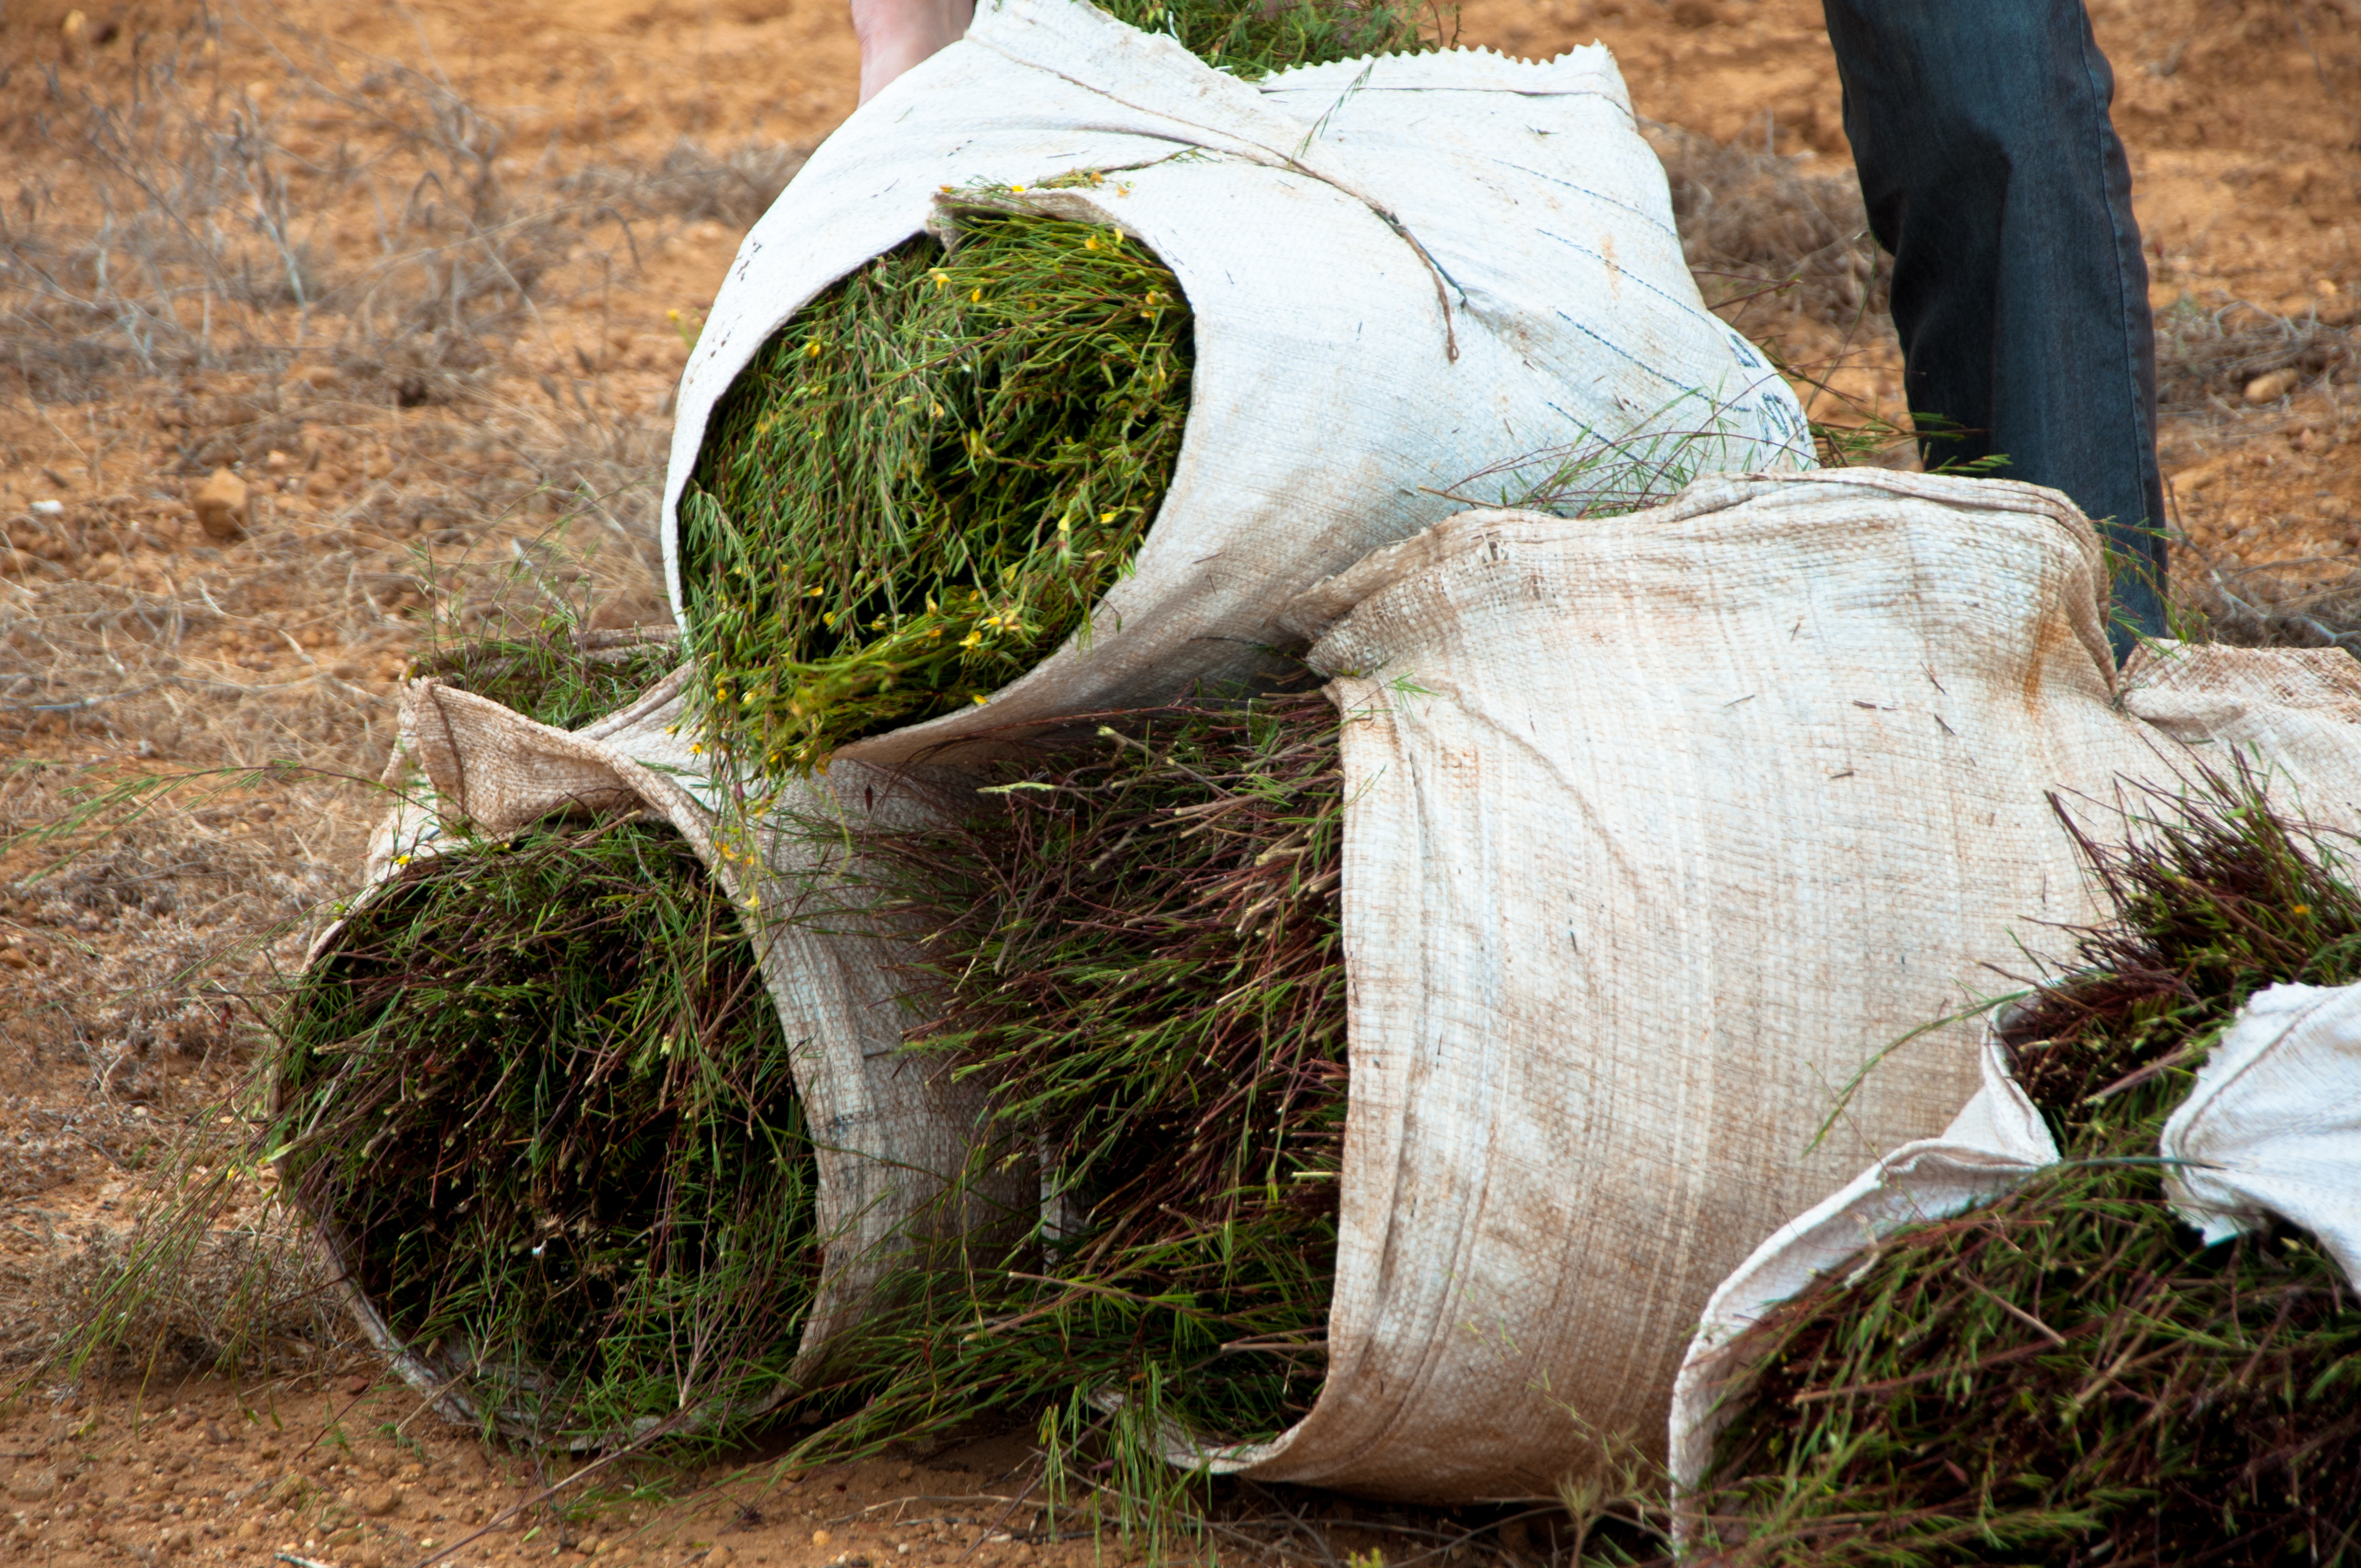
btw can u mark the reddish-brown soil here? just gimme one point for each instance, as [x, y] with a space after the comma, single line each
[498, 221]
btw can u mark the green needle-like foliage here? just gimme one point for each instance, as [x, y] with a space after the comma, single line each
[1251, 39]
[2067, 1375]
[924, 482]
[1137, 952]
[555, 676]
[926, 479]
[538, 1091]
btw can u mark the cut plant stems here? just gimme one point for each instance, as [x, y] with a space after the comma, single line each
[1137, 952]
[1251, 39]
[557, 674]
[924, 482]
[2068, 1375]
[536, 1097]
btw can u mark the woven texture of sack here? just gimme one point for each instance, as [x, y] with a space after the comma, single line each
[1662, 828]
[1402, 271]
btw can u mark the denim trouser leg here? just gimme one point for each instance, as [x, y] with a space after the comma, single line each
[1993, 174]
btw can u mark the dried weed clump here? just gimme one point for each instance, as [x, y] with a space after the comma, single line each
[2067, 1374]
[1763, 232]
[2207, 359]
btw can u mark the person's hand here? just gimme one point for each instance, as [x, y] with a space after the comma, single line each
[898, 34]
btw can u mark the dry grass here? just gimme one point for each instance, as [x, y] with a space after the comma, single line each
[1770, 236]
[2207, 358]
[446, 433]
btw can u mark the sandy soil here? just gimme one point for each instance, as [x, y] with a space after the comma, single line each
[422, 276]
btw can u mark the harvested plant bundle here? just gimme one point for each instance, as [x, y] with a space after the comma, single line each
[1321, 300]
[1138, 954]
[560, 676]
[537, 1101]
[1250, 38]
[2068, 1374]
[927, 478]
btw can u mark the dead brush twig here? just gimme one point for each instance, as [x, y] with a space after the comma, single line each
[1766, 236]
[2206, 357]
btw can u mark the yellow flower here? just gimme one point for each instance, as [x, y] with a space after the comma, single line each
[697, 749]
[1016, 190]
[976, 297]
[1107, 517]
[981, 699]
[813, 593]
[972, 639]
[811, 351]
[1091, 243]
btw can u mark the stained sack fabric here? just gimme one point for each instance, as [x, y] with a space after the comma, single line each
[1404, 271]
[1661, 829]
[889, 1138]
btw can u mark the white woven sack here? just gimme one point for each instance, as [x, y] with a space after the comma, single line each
[2271, 1127]
[887, 1136]
[1661, 828]
[2291, 714]
[1403, 272]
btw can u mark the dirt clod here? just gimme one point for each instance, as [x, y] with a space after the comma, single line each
[221, 505]
[2270, 387]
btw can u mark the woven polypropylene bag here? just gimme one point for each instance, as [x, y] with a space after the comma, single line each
[1660, 829]
[1403, 272]
[888, 1136]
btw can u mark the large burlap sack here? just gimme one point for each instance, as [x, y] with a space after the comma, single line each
[1661, 830]
[889, 1136]
[2270, 1129]
[1404, 271]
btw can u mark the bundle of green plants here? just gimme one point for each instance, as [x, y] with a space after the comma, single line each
[1136, 951]
[1250, 39]
[535, 1097]
[556, 674]
[2068, 1375]
[925, 480]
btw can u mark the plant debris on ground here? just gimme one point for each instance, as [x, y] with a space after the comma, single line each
[2068, 1375]
[1137, 952]
[536, 1091]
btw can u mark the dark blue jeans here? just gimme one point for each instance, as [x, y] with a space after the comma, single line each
[1993, 174]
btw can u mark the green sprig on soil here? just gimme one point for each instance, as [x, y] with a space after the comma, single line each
[1137, 952]
[926, 479]
[2067, 1375]
[536, 1088]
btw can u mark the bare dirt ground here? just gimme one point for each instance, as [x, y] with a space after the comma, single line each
[421, 277]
